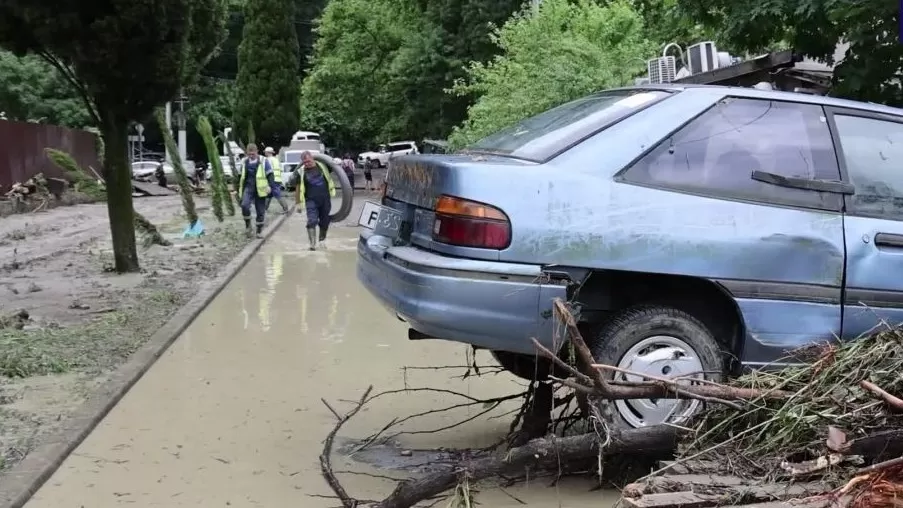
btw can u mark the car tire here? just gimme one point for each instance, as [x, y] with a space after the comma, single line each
[347, 193]
[661, 341]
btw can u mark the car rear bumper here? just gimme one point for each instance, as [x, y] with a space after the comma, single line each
[491, 305]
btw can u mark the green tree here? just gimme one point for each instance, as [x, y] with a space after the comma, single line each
[218, 185]
[870, 70]
[667, 22]
[185, 188]
[569, 48]
[213, 99]
[351, 91]
[125, 58]
[463, 35]
[32, 90]
[380, 68]
[268, 71]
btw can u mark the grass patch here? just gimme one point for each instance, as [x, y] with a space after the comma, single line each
[96, 345]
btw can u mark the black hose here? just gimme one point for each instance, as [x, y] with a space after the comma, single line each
[345, 187]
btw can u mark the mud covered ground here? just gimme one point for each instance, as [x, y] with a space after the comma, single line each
[85, 320]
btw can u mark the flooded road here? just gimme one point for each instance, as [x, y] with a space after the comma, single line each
[231, 415]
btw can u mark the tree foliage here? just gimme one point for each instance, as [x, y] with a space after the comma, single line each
[567, 49]
[185, 188]
[268, 71]
[32, 90]
[125, 58]
[351, 90]
[213, 99]
[380, 68]
[219, 191]
[871, 69]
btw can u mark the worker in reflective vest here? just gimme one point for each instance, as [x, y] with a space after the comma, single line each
[313, 194]
[255, 186]
[277, 178]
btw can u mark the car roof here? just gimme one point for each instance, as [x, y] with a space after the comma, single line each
[401, 142]
[777, 95]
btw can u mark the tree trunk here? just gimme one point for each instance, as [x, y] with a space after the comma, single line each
[118, 177]
[539, 454]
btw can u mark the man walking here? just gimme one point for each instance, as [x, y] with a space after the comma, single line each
[268, 152]
[368, 176]
[254, 186]
[348, 166]
[313, 192]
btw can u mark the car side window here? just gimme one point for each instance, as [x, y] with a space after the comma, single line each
[872, 151]
[716, 153]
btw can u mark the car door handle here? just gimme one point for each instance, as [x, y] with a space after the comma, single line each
[889, 240]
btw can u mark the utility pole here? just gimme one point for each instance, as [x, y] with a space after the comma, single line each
[140, 129]
[183, 134]
[168, 126]
[227, 147]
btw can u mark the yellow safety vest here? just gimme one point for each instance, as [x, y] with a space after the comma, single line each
[277, 169]
[299, 191]
[263, 186]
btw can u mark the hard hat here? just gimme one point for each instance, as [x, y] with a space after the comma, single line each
[268, 149]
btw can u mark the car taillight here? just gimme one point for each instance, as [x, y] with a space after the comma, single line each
[470, 224]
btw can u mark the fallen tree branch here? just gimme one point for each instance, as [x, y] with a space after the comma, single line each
[881, 466]
[537, 454]
[325, 456]
[891, 400]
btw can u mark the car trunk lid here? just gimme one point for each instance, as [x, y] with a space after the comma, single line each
[414, 184]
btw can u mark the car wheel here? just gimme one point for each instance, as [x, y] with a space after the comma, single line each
[527, 367]
[658, 341]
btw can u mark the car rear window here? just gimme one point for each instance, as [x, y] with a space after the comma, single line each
[292, 157]
[541, 137]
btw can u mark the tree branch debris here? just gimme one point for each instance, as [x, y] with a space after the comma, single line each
[780, 418]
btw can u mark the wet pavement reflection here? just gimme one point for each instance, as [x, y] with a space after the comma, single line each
[231, 414]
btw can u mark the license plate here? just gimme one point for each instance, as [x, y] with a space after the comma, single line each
[382, 220]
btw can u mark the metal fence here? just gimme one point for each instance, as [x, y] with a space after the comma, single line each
[22, 150]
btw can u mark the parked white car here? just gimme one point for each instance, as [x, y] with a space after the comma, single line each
[227, 168]
[381, 158]
[144, 170]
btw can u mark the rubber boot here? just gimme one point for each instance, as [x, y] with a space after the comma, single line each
[248, 231]
[312, 236]
[259, 230]
[323, 237]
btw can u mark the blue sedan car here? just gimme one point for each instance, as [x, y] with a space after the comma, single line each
[696, 228]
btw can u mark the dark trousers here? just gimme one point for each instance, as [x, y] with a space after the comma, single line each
[350, 179]
[318, 207]
[260, 205]
[276, 192]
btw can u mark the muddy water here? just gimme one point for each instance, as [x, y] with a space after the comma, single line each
[231, 414]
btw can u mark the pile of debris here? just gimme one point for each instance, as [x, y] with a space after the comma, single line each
[834, 438]
[34, 193]
[825, 432]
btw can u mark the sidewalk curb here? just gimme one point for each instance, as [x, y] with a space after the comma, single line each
[19, 484]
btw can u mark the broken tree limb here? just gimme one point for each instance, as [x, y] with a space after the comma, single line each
[325, 456]
[544, 453]
[891, 400]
